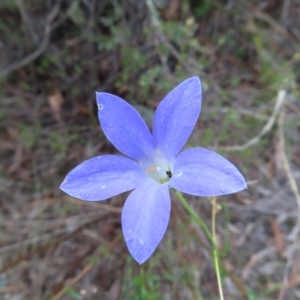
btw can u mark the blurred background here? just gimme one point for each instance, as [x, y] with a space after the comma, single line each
[54, 55]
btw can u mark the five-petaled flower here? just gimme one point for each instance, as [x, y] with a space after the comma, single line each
[152, 164]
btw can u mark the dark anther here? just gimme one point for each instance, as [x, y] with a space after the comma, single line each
[169, 174]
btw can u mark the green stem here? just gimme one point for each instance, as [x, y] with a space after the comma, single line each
[215, 254]
[225, 252]
[197, 218]
[211, 237]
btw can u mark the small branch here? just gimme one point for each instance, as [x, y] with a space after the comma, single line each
[266, 128]
[285, 11]
[153, 11]
[258, 13]
[161, 38]
[47, 236]
[69, 12]
[86, 269]
[35, 54]
[27, 22]
[296, 230]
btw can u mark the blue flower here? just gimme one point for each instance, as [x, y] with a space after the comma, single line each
[152, 164]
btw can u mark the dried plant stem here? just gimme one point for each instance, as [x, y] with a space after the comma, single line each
[294, 235]
[215, 253]
[85, 270]
[268, 126]
[42, 47]
[286, 165]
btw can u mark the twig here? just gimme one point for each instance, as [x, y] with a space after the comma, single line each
[285, 11]
[35, 54]
[33, 240]
[157, 37]
[77, 263]
[255, 259]
[11, 288]
[99, 206]
[63, 221]
[268, 126]
[161, 38]
[27, 22]
[43, 249]
[296, 230]
[85, 270]
[267, 18]
[72, 8]
[245, 112]
[153, 11]
[44, 236]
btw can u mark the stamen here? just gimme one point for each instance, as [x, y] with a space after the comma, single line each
[159, 173]
[151, 169]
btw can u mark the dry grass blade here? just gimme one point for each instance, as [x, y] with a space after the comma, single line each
[255, 259]
[46, 236]
[43, 249]
[73, 268]
[265, 17]
[266, 128]
[296, 230]
[85, 270]
[42, 47]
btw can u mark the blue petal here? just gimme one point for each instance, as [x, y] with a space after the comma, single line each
[203, 172]
[103, 177]
[145, 218]
[176, 116]
[124, 127]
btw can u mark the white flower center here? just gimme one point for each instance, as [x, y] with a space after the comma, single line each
[160, 171]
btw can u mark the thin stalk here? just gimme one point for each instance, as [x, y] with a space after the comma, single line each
[197, 218]
[215, 253]
[211, 237]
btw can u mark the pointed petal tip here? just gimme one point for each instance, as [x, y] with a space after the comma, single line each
[242, 185]
[144, 223]
[195, 80]
[176, 116]
[103, 177]
[140, 255]
[62, 184]
[202, 172]
[245, 186]
[140, 260]
[124, 127]
[99, 94]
